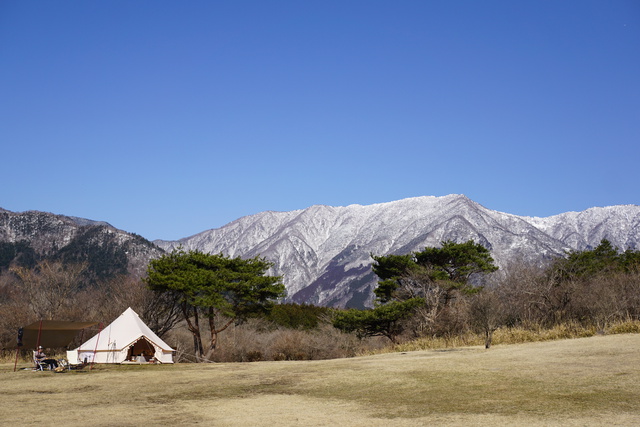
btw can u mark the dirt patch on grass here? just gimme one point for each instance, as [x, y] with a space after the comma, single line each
[587, 381]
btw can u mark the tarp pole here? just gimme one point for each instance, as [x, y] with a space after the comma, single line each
[16, 364]
[108, 345]
[95, 350]
[18, 345]
[39, 334]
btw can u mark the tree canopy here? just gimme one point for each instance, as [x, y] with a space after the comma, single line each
[384, 320]
[416, 283]
[603, 259]
[218, 287]
[449, 267]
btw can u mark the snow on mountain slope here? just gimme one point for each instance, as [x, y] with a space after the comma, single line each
[583, 230]
[323, 252]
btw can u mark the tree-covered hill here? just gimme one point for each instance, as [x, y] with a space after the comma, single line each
[30, 237]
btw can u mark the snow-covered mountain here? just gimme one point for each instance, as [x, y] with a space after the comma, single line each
[323, 252]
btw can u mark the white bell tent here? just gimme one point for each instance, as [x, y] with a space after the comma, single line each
[126, 339]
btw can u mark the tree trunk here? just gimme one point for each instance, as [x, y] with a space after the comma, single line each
[215, 332]
[198, 341]
[488, 337]
[194, 328]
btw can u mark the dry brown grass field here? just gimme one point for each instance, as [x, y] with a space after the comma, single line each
[577, 382]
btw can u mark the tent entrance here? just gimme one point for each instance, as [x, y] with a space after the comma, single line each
[139, 349]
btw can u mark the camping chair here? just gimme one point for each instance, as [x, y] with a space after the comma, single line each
[38, 365]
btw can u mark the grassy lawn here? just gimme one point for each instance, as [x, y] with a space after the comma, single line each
[586, 381]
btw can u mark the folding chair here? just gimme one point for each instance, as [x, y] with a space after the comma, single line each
[38, 365]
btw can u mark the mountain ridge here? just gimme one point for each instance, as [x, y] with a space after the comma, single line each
[323, 252]
[32, 236]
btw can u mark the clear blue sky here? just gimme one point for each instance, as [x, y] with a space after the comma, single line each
[168, 118]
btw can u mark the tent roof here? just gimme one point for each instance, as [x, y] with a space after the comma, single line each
[52, 333]
[123, 332]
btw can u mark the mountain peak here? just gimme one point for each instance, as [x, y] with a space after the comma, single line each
[323, 252]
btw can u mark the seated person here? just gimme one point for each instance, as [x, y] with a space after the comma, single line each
[42, 358]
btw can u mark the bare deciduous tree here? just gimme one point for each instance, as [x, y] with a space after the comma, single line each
[487, 314]
[49, 287]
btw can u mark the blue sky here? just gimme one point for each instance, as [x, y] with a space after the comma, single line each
[168, 118]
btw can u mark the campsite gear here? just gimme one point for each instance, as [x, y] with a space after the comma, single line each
[41, 362]
[51, 333]
[124, 341]
[38, 360]
[73, 360]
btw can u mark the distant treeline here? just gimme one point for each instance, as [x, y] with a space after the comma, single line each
[438, 293]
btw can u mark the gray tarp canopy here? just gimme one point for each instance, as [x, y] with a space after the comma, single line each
[52, 333]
